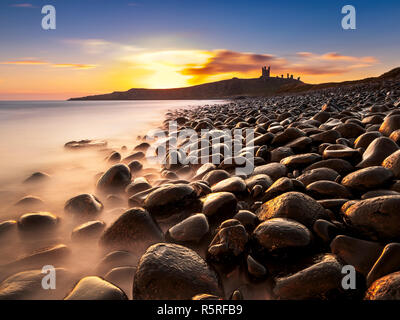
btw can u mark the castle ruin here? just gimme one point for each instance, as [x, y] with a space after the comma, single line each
[266, 74]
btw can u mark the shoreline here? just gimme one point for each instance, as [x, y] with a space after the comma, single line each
[285, 230]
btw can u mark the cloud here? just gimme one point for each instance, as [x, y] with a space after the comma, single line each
[78, 66]
[226, 62]
[25, 62]
[22, 5]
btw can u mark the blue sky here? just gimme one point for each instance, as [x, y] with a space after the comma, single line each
[278, 28]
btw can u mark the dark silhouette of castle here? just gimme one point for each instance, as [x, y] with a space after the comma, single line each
[266, 74]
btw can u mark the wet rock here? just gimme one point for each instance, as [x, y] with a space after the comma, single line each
[300, 144]
[37, 221]
[328, 136]
[392, 163]
[88, 230]
[255, 268]
[247, 218]
[114, 259]
[86, 144]
[273, 170]
[292, 205]
[279, 234]
[95, 288]
[300, 160]
[115, 179]
[349, 130]
[220, 203]
[314, 175]
[37, 177]
[287, 136]
[377, 151]
[365, 139]
[166, 272]
[230, 241]
[359, 253]
[395, 136]
[338, 151]
[325, 189]
[201, 188]
[341, 166]
[30, 202]
[193, 228]
[368, 178]
[166, 199]
[6, 227]
[138, 185]
[390, 124]
[84, 205]
[114, 157]
[134, 230]
[314, 282]
[280, 186]
[135, 166]
[325, 230]
[27, 285]
[279, 153]
[385, 288]
[138, 155]
[260, 179]
[379, 193]
[376, 218]
[234, 185]
[122, 277]
[142, 147]
[333, 204]
[216, 176]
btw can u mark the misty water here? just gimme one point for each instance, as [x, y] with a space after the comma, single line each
[33, 134]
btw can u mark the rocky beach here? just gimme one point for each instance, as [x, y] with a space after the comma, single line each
[322, 195]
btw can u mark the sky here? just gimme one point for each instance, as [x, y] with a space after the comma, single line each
[101, 46]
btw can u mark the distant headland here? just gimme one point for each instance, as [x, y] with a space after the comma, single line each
[265, 85]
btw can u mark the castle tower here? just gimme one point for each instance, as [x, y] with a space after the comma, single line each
[269, 72]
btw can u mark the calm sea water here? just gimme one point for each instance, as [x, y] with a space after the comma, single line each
[32, 133]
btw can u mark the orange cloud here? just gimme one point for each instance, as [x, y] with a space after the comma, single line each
[225, 62]
[74, 66]
[25, 62]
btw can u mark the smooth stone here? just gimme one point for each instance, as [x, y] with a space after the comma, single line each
[30, 202]
[388, 262]
[300, 144]
[220, 203]
[6, 227]
[300, 160]
[280, 186]
[337, 151]
[328, 136]
[273, 170]
[138, 155]
[379, 193]
[390, 124]
[134, 230]
[135, 166]
[333, 204]
[201, 188]
[376, 218]
[368, 178]
[365, 139]
[27, 285]
[173, 272]
[84, 205]
[88, 230]
[280, 233]
[377, 151]
[392, 163]
[325, 189]
[255, 268]
[247, 218]
[312, 282]
[359, 253]
[95, 288]
[37, 177]
[215, 176]
[395, 136]
[259, 179]
[193, 228]
[161, 201]
[325, 230]
[292, 205]
[314, 175]
[37, 221]
[279, 153]
[349, 130]
[86, 144]
[229, 242]
[114, 259]
[138, 185]
[114, 179]
[122, 277]
[234, 185]
[114, 157]
[287, 136]
[385, 288]
[341, 166]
